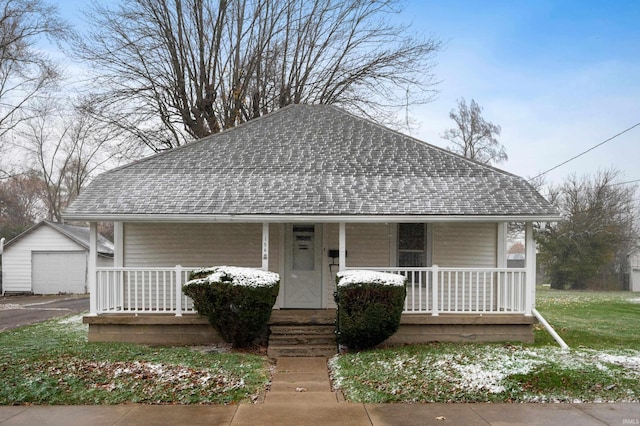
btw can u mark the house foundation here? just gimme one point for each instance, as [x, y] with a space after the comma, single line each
[422, 328]
[159, 330]
[297, 332]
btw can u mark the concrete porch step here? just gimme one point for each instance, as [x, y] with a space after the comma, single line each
[277, 340]
[302, 351]
[303, 317]
[302, 333]
[303, 329]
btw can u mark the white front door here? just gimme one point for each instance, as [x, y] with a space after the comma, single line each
[303, 281]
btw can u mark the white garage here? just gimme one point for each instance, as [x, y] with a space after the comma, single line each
[51, 258]
[634, 266]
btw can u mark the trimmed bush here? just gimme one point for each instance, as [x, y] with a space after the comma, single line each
[370, 306]
[237, 301]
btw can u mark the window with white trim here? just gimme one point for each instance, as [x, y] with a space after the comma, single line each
[413, 245]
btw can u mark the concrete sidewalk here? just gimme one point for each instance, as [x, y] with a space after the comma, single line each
[301, 394]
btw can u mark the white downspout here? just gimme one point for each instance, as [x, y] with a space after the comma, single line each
[550, 329]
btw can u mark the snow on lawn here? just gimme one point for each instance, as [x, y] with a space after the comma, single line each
[498, 373]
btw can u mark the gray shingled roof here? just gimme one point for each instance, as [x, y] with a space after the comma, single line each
[79, 234]
[308, 160]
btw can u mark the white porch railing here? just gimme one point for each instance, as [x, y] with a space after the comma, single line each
[431, 290]
[437, 290]
[142, 290]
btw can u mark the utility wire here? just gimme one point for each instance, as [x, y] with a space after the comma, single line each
[624, 183]
[588, 150]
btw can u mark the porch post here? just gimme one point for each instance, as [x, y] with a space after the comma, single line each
[530, 256]
[118, 244]
[91, 266]
[502, 245]
[265, 246]
[342, 247]
[178, 272]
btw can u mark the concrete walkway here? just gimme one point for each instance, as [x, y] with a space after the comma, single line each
[301, 394]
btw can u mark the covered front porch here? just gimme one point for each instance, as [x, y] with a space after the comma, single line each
[444, 303]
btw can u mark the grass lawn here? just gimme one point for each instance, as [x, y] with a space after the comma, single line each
[603, 364]
[52, 363]
[596, 320]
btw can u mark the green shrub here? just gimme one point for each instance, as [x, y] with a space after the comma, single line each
[370, 306]
[237, 301]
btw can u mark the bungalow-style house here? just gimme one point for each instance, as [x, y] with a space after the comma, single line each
[308, 191]
[51, 258]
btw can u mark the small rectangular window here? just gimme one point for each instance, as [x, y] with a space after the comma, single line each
[412, 244]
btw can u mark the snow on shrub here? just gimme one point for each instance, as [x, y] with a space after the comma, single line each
[237, 301]
[358, 277]
[370, 306]
[250, 277]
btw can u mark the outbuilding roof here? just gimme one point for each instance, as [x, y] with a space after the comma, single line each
[307, 160]
[78, 234]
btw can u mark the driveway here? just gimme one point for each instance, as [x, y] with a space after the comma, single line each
[16, 311]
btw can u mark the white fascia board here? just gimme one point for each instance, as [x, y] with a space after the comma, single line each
[175, 218]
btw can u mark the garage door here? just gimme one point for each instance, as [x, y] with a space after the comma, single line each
[58, 272]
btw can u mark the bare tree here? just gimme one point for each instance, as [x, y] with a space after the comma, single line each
[174, 70]
[66, 148]
[588, 249]
[474, 137]
[20, 204]
[25, 72]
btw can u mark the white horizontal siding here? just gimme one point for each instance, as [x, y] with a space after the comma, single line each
[190, 245]
[104, 262]
[465, 244]
[16, 259]
[209, 244]
[368, 245]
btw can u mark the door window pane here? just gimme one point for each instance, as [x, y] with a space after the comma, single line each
[303, 248]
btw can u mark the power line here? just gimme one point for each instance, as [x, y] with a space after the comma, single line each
[624, 183]
[588, 150]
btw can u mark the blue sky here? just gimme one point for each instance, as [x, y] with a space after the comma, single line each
[558, 76]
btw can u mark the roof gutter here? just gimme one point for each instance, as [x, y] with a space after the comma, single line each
[275, 218]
